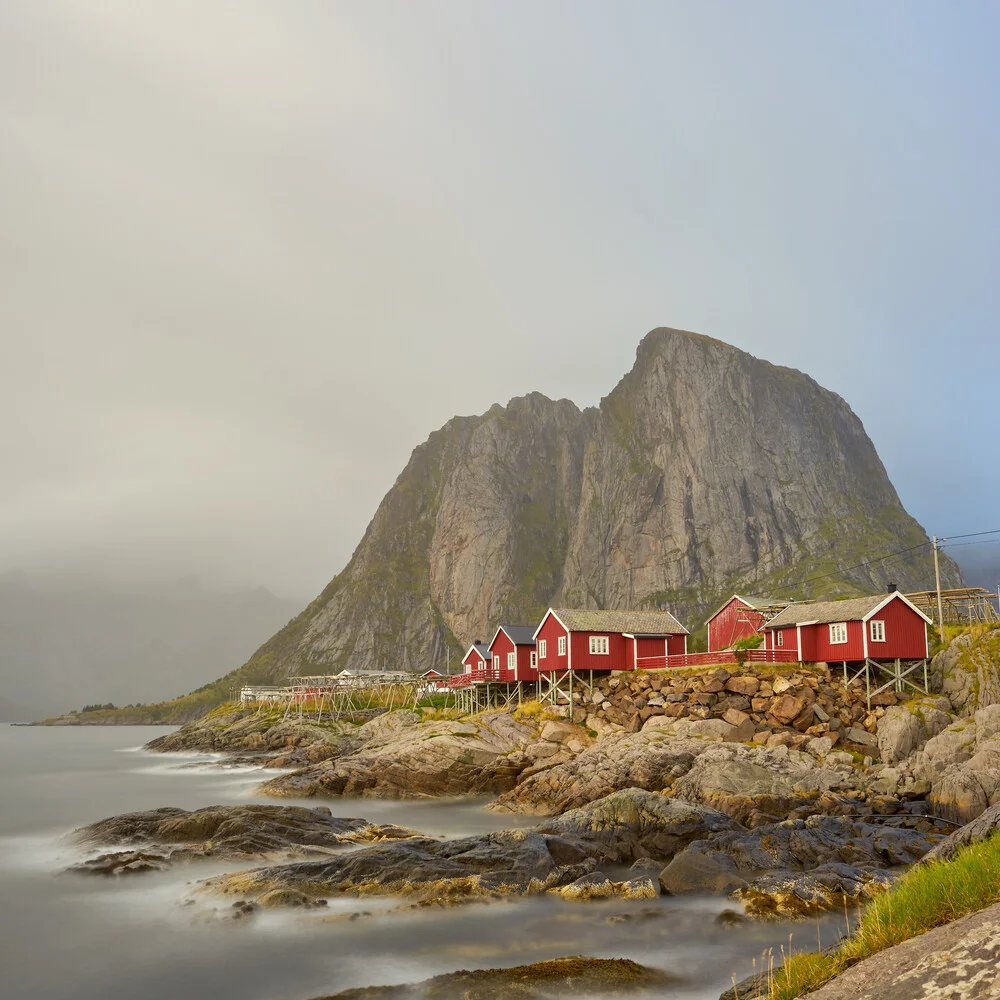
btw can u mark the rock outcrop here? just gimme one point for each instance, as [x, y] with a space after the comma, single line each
[400, 757]
[958, 961]
[703, 471]
[559, 977]
[157, 838]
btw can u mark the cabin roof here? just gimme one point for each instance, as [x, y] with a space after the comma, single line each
[520, 635]
[826, 612]
[757, 603]
[647, 623]
[481, 648]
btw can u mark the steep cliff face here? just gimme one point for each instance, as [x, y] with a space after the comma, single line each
[705, 470]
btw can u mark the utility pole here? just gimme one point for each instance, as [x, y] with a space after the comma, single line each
[937, 584]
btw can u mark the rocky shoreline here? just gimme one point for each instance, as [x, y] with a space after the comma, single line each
[782, 792]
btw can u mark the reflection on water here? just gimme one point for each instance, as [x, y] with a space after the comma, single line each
[79, 937]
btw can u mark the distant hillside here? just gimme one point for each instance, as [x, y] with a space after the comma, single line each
[704, 471]
[65, 645]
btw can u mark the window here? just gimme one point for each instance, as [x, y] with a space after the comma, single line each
[838, 633]
[534, 660]
[779, 638]
[878, 631]
[541, 649]
[599, 645]
[562, 645]
[511, 661]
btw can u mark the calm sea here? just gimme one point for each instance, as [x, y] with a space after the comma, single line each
[83, 937]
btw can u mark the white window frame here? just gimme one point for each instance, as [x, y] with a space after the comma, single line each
[512, 661]
[838, 633]
[779, 638]
[542, 649]
[877, 634]
[496, 662]
[534, 660]
[599, 645]
[562, 645]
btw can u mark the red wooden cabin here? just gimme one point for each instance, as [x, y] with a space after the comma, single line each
[513, 651]
[577, 640]
[476, 659]
[739, 618]
[883, 627]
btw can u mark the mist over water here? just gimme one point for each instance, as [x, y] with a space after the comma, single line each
[86, 937]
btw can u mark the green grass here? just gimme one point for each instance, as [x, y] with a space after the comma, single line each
[925, 897]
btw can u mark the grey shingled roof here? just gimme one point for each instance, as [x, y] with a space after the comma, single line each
[824, 612]
[483, 650]
[630, 622]
[520, 635]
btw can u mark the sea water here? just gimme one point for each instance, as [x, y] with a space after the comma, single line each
[84, 937]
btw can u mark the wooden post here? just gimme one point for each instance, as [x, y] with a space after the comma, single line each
[937, 584]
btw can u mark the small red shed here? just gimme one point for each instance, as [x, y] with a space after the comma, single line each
[739, 618]
[569, 639]
[513, 652]
[476, 659]
[883, 627]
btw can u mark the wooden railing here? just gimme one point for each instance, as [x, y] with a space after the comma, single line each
[479, 676]
[722, 657]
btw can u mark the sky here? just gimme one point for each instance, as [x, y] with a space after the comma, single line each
[253, 253]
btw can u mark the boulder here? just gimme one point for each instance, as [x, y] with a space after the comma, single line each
[956, 960]
[634, 823]
[758, 785]
[692, 872]
[899, 733]
[985, 825]
[965, 790]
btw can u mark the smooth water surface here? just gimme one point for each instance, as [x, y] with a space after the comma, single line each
[86, 937]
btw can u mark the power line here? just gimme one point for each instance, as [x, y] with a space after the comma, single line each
[971, 534]
[958, 545]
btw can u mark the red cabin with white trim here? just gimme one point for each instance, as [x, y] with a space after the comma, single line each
[740, 618]
[573, 639]
[513, 652]
[883, 627]
[476, 659]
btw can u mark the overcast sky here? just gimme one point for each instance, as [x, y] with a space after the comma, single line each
[252, 253]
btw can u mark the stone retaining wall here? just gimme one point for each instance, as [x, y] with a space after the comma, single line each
[764, 705]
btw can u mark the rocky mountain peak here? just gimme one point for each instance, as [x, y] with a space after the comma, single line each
[705, 470]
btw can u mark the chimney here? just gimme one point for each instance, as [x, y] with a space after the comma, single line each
[478, 642]
[892, 587]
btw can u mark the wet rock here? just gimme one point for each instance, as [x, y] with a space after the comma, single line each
[509, 862]
[691, 872]
[561, 977]
[123, 863]
[634, 823]
[780, 895]
[222, 832]
[806, 844]
[597, 885]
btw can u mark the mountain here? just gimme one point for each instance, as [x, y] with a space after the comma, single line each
[704, 471]
[67, 643]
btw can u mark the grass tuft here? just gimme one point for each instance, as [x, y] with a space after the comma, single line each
[925, 897]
